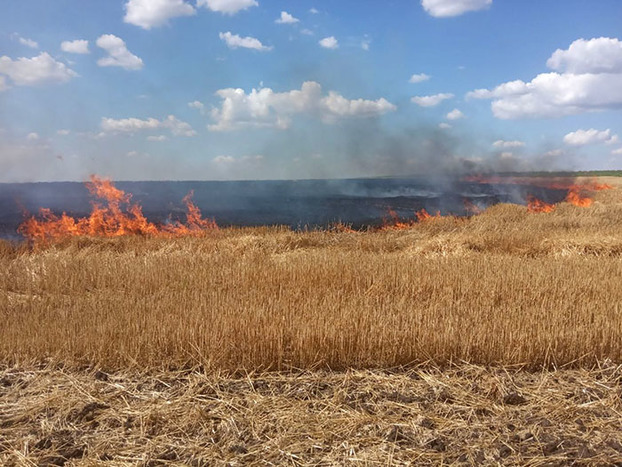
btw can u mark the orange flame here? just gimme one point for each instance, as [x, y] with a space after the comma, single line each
[576, 193]
[577, 198]
[537, 205]
[423, 215]
[394, 222]
[109, 219]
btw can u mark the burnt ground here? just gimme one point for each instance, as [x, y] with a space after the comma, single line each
[462, 415]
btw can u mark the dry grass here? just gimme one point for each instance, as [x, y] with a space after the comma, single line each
[504, 287]
[422, 416]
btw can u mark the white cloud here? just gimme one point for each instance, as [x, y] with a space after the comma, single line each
[306, 32]
[329, 43]
[365, 43]
[444, 126]
[418, 78]
[286, 18]
[3, 85]
[28, 43]
[431, 101]
[617, 152]
[32, 136]
[234, 41]
[313, 11]
[601, 55]
[447, 8]
[266, 108]
[75, 47]
[224, 159]
[37, 70]
[335, 105]
[455, 115]
[508, 144]
[197, 105]
[63, 132]
[591, 81]
[153, 13]
[118, 55]
[157, 138]
[134, 125]
[591, 136]
[228, 7]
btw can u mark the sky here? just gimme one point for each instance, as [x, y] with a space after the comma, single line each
[295, 89]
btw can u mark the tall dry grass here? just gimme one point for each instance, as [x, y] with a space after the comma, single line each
[504, 287]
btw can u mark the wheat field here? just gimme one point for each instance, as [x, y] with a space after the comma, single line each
[492, 340]
[505, 287]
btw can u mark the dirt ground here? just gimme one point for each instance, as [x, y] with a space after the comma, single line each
[464, 414]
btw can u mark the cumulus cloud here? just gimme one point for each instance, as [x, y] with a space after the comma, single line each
[34, 71]
[134, 125]
[455, 115]
[28, 42]
[447, 8]
[418, 78]
[286, 18]
[365, 43]
[617, 152]
[197, 105]
[153, 13]
[314, 11]
[444, 126]
[591, 80]
[228, 7]
[118, 55]
[32, 136]
[234, 41]
[591, 136]
[600, 55]
[508, 144]
[329, 42]
[78, 46]
[266, 108]
[431, 101]
[63, 132]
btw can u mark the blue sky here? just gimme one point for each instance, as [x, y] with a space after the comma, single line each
[257, 89]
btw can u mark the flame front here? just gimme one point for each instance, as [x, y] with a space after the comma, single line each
[108, 219]
[577, 197]
[576, 193]
[537, 205]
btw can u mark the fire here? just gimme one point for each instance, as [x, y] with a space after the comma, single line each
[577, 198]
[423, 215]
[109, 219]
[576, 193]
[537, 205]
[394, 222]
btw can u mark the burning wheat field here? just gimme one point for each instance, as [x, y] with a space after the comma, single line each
[489, 337]
[310, 233]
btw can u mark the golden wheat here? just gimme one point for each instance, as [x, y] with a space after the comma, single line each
[503, 287]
